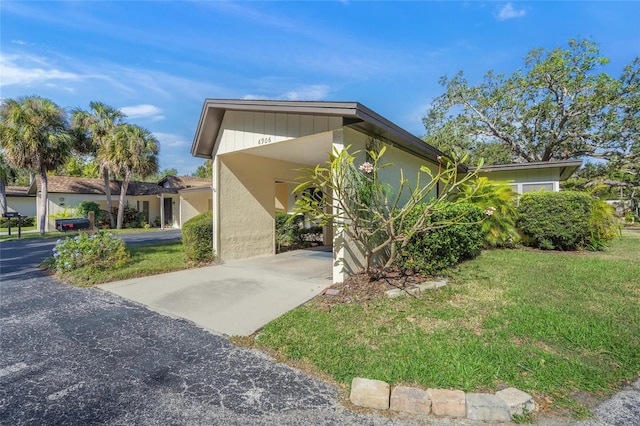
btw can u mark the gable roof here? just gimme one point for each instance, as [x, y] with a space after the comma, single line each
[17, 191]
[183, 182]
[353, 114]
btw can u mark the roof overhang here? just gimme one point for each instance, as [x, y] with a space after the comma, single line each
[353, 114]
[566, 167]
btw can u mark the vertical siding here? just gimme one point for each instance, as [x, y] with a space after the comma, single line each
[243, 130]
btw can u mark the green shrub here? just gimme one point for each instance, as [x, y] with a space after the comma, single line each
[65, 213]
[498, 199]
[101, 250]
[99, 215]
[130, 217]
[566, 220]
[26, 221]
[288, 229]
[197, 237]
[445, 246]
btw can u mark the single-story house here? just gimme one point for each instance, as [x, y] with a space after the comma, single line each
[527, 177]
[171, 201]
[19, 200]
[258, 147]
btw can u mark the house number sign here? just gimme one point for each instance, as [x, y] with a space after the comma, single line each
[264, 141]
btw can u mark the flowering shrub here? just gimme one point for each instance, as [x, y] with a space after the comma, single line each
[372, 213]
[98, 251]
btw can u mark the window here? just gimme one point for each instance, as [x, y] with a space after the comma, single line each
[529, 187]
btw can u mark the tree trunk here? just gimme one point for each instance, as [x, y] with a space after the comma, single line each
[3, 198]
[107, 192]
[123, 195]
[44, 194]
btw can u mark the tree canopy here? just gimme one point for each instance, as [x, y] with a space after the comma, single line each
[34, 133]
[560, 105]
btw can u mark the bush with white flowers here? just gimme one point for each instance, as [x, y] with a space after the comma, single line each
[97, 251]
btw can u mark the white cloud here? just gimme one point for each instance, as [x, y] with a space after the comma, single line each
[24, 75]
[314, 92]
[509, 12]
[253, 97]
[20, 42]
[143, 111]
[170, 140]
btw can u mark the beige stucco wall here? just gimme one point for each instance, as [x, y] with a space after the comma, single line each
[247, 191]
[282, 197]
[136, 202]
[26, 206]
[193, 203]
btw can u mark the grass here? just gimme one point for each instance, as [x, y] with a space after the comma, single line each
[57, 234]
[150, 259]
[555, 325]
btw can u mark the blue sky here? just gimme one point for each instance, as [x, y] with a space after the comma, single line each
[159, 61]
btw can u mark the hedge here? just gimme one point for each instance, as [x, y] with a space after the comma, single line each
[565, 220]
[197, 238]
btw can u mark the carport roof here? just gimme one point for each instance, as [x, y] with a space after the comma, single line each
[353, 114]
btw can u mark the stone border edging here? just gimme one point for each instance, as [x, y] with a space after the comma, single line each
[418, 289]
[500, 406]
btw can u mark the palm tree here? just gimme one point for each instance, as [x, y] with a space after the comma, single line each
[98, 125]
[34, 133]
[132, 151]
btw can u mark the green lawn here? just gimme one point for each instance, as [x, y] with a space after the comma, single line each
[57, 234]
[145, 260]
[553, 324]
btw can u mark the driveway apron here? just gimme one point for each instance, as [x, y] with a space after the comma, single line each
[235, 298]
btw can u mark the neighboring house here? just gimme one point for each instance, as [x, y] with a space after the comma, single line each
[527, 177]
[161, 201]
[19, 200]
[258, 147]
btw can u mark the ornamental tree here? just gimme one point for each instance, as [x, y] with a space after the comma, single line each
[560, 105]
[353, 198]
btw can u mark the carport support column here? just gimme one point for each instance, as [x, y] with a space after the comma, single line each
[339, 246]
[215, 185]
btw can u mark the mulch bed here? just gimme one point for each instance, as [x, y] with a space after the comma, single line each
[360, 288]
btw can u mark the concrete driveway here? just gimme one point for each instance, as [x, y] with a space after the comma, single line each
[237, 297]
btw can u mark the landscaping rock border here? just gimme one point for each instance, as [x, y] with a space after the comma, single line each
[416, 290]
[499, 406]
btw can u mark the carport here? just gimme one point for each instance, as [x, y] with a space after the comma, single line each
[257, 147]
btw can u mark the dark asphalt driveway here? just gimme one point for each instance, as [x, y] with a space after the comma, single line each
[71, 356]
